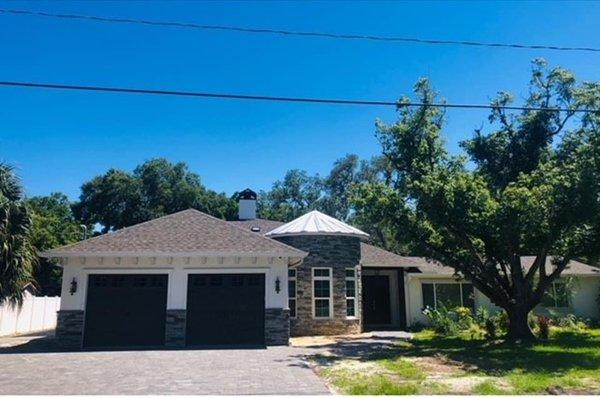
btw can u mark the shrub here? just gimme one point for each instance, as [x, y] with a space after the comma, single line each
[543, 324]
[569, 321]
[482, 315]
[464, 318]
[442, 320]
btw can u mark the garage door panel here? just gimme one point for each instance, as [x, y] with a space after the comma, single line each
[225, 309]
[125, 310]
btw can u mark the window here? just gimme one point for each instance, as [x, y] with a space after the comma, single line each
[556, 296]
[448, 294]
[322, 292]
[350, 292]
[292, 292]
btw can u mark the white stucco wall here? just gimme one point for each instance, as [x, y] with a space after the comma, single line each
[584, 291]
[177, 269]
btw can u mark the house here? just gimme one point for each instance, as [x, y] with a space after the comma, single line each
[189, 279]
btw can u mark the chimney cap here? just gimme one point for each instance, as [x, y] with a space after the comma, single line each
[246, 194]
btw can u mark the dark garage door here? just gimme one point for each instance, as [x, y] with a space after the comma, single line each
[125, 310]
[225, 309]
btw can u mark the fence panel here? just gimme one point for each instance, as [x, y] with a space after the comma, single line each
[36, 314]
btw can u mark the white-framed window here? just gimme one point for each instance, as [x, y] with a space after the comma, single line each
[292, 292]
[449, 294]
[557, 296]
[322, 293]
[351, 292]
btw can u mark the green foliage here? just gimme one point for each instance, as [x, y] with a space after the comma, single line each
[442, 320]
[17, 253]
[157, 187]
[290, 198]
[533, 188]
[53, 225]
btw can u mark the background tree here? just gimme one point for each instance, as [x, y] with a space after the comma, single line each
[17, 254]
[53, 225]
[157, 187]
[291, 197]
[532, 189]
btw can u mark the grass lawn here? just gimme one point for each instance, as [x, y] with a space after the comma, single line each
[429, 364]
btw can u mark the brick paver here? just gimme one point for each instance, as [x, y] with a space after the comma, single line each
[275, 370]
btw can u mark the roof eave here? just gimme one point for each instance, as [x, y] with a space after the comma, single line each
[281, 235]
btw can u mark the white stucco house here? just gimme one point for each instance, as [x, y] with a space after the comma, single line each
[189, 279]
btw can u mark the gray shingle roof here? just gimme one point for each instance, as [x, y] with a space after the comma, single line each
[373, 256]
[186, 232]
[263, 226]
[573, 268]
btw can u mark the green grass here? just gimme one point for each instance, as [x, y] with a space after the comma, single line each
[562, 362]
[403, 368]
[487, 388]
[568, 362]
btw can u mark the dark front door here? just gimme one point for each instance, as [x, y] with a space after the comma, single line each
[125, 310]
[225, 309]
[376, 300]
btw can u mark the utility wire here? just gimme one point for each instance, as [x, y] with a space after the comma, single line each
[295, 33]
[331, 101]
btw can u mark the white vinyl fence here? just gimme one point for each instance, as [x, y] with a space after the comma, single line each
[36, 314]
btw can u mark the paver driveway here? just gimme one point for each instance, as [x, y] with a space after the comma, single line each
[276, 370]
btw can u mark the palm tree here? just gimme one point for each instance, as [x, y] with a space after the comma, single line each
[17, 255]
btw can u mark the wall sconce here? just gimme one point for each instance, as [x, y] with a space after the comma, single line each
[277, 285]
[73, 287]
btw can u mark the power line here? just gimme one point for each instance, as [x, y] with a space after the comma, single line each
[331, 101]
[295, 33]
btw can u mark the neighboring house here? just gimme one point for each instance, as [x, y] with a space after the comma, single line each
[189, 279]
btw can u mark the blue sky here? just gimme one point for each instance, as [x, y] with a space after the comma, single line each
[57, 140]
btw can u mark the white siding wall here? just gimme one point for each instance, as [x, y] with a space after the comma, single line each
[584, 295]
[36, 314]
[178, 270]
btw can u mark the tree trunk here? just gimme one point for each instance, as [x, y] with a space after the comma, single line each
[518, 327]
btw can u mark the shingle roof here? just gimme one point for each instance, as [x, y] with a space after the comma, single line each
[317, 223]
[373, 256]
[263, 226]
[573, 268]
[186, 232]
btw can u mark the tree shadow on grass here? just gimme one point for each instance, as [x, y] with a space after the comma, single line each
[565, 351]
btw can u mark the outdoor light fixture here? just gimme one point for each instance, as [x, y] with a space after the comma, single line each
[73, 288]
[277, 285]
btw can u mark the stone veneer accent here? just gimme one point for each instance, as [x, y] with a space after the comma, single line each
[69, 329]
[175, 328]
[277, 326]
[338, 253]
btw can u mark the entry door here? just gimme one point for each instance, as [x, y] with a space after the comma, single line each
[125, 310]
[225, 309]
[376, 300]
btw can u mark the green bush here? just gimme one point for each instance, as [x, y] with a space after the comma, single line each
[569, 321]
[441, 320]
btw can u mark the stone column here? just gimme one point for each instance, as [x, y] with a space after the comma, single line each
[69, 329]
[277, 326]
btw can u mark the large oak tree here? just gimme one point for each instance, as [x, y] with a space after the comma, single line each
[530, 185]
